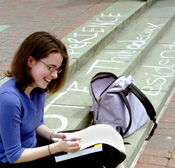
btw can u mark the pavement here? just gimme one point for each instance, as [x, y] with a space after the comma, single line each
[18, 19]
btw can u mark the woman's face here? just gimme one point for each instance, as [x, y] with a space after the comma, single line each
[40, 69]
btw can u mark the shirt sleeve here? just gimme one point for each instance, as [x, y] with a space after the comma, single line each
[42, 104]
[10, 110]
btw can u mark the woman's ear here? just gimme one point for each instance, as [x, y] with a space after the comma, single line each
[30, 61]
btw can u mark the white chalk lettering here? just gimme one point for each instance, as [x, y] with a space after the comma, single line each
[95, 65]
[86, 35]
[93, 29]
[74, 87]
[77, 44]
[160, 73]
[168, 54]
[73, 52]
[61, 118]
[143, 37]
[97, 28]
[164, 71]
[148, 90]
[153, 26]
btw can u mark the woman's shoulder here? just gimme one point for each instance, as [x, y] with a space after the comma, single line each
[9, 88]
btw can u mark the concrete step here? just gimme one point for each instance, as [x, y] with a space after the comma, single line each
[127, 53]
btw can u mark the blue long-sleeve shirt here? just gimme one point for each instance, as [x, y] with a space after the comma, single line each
[19, 118]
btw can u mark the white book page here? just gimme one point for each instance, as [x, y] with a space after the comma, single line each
[100, 133]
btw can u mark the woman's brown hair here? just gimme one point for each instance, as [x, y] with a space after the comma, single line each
[38, 45]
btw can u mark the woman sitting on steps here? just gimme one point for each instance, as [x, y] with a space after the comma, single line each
[40, 65]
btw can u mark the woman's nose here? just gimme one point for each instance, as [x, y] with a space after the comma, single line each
[54, 74]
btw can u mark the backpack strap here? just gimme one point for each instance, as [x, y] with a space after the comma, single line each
[125, 100]
[148, 106]
[101, 75]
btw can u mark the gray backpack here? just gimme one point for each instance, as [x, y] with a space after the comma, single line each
[119, 103]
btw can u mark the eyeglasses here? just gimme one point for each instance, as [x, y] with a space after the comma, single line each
[52, 68]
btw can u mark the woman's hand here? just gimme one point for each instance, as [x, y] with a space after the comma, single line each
[57, 135]
[63, 136]
[66, 146]
[70, 146]
[67, 143]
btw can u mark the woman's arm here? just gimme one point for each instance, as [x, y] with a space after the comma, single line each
[45, 132]
[48, 134]
[31, 154]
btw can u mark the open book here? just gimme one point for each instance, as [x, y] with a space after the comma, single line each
[92, 139]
